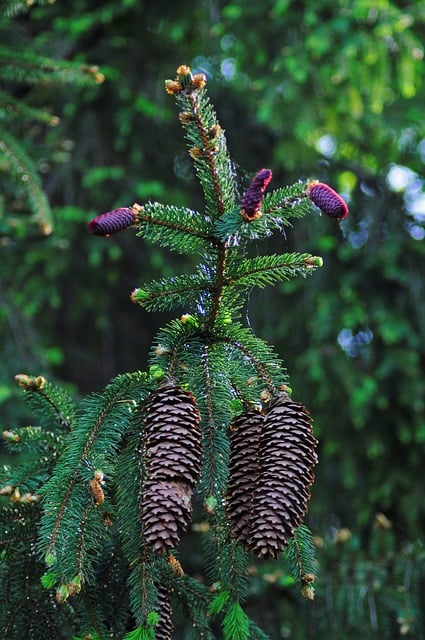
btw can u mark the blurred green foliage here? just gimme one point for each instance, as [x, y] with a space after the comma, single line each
[333, 90]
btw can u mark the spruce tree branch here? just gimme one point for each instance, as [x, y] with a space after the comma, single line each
[284, 197]
[218, 287]
[18, 539]
[127, 385]
[266, 270]
[63, 420]
[260, 367]
[168, 293]
[80, 545]
[23, 167]
[146, 217]
[24, 66]
[146, 579]
[208, 153]
[212, 488]
[173, 341]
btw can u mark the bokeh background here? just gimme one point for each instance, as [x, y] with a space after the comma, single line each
[330, 89]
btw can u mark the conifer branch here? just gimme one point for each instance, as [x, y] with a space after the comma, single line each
[178, 228]
[175, 346]
[206, 139]
[277, 209]
[214, 470]
[24, 66]
[208, 152]
[169, 293]
[267, 270]
[255, 355]
[284, 199]
[50, 403]
[12, 8]
[194, 597]
[92, 443]
[23, 169]
[301, 558]
[14, 108]
[130, 479]
[211, 417]
[217, 288]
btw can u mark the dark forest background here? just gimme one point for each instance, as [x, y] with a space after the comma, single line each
[332, 90]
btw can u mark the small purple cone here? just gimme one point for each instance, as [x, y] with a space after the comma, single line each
[328, 201]
[112, 221]
[254, 195]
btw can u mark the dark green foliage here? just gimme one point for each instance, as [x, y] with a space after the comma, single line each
[375, 591]
[27, 67]
[117, 479]
[316, 90]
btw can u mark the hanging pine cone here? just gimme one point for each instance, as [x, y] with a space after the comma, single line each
[173, 464]
[164, 628]
[287, 457]
[245, 433]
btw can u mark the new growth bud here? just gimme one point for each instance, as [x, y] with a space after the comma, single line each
[139, 295]
[185, 81]
[313, 261]
[113, 221]
[172, 87]
[30, 383]
[328, 200]
[254, 195]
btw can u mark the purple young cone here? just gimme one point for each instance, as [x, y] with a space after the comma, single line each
[328, 201]
[112, 221]
[254, 195]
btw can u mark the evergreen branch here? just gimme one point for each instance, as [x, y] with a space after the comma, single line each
[129, 490]
[194, 598]
[25, 610]
[29, 67]
[51, 403]
[267, 270]
[217, 287]
[178, 228]
[256, 633]
[13, 8]
[14, 108]
[93, 606]
[214, 397]
[175, 340]
[18, 525]
[254, 355]
[284, 199]
[235, 623]
[209, 151]
[301, 559]
[23, 169]
[27, 479]
[169, 293]
[278, 207]
[33, 440]
[91, 445]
